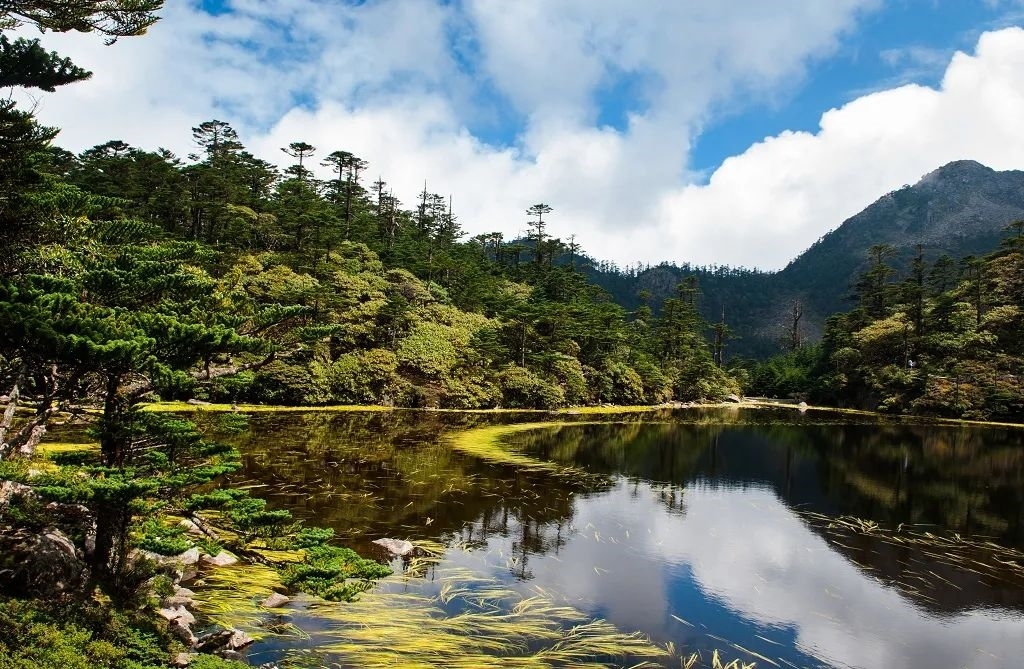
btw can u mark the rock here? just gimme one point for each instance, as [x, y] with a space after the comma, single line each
[183, 631]
[40, 564]
[186, 559]
[399, 547]
[211, 641]
[179, 591]
[231, 655]
[9, 491]
[191, 528]
[733, 398]
[221, 559]
[239, 639]
[175, 601]
[177, 613]
[182, 659]
[198, 403]
[275, 600]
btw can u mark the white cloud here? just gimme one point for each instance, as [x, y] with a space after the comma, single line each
[383, 80]
[742, 549]
[763, 206]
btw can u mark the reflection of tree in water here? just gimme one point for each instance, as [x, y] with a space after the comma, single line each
[967, 479]
[368, 475]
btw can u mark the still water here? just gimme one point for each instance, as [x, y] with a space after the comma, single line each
[785, 539]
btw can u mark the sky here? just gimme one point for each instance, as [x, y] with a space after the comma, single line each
[717, 133]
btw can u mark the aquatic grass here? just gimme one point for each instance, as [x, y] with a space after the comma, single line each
[489, 444]
[974, 554]
[185, 407]
[231, 596]
[496, 627]
[471, 620]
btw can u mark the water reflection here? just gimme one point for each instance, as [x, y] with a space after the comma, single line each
[700, 538]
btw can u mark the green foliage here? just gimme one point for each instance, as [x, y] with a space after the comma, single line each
[72, 636]
[326, 572]
[161, 538]
[523, 389]
[949, 345]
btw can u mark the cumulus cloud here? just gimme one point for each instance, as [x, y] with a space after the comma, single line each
[743, 549]
[404, 84]
[776, 198]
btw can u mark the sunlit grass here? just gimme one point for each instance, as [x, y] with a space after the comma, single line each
[49, 448]
[974, 554]
[185, 407]
[489, 445]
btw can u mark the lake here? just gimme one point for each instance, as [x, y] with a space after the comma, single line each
[742, 535]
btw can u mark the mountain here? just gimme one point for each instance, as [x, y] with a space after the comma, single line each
[959, 209]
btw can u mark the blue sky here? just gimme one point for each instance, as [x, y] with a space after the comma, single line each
[902, 42]
[704, 131]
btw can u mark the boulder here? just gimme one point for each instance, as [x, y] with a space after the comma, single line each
[41, 564]
[398, 547]
[275, 600]
[221, 559]
[176, 600]
[177, 613]
[10, 491]
[182, 659]
[211, 641]
[733, 398]
[183, 631]
[239, 639]
[191, 528]
[186, 559]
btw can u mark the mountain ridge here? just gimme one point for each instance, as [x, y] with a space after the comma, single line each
[960, 208]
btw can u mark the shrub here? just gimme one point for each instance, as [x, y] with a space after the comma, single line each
[522, 389]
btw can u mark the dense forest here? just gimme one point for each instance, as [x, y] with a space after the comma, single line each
[128, 276]
[942, 337]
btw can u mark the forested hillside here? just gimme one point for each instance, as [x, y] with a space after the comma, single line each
[943, 337]
[959, 209]
[352, 297]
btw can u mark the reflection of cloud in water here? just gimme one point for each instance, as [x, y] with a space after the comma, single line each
[746, 550]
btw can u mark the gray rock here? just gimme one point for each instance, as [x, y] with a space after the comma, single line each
[733, 398]
[177, 613]
[211, 641]
[221, 559]
[182, 659]
[191, 528]
[399, 547]
[9, 491]
[199, 403]
[176, 600]
[239, 639]
[183, 631]
[275, 600]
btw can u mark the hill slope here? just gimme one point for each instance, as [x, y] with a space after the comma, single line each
[959, 209]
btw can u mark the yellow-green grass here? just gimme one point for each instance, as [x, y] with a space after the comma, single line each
[473, 620]
[185, 407]
[51, 447]
[489, 444]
